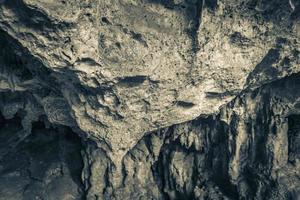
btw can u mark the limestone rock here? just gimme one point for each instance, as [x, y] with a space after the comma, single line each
[171, 99]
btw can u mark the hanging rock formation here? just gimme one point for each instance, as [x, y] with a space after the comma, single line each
[150, 99]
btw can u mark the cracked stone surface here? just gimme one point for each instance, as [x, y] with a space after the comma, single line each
[149, 99]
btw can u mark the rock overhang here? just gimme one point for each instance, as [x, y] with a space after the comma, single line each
[122, 76]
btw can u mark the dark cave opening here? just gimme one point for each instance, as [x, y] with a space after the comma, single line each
[11, 62]
[47, 164]
[293, 138]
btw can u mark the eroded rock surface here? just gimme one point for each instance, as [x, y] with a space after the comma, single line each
[171, 99]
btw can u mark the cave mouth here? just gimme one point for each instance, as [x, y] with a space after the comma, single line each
[47, 164]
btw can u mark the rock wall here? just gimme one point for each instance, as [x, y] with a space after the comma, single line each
[149, 99]
[250, 150]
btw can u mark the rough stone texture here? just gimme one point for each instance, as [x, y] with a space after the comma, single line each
[45, 165]
[171, 99]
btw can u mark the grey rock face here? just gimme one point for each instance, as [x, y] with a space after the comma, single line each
[149, 99]
[249, 150]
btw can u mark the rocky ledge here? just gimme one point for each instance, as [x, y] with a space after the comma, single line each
[150, 99]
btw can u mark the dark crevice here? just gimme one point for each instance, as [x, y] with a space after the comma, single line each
[138, 37]
[211, 4]
[105, 20]
[20, 68]
[221, 94]
[132, 81]
[88, 61]
[34, 18]
[265, 68]
[11, 63]
[47, 158]
[194, 13]
[192, 10]
[293, 138]
[238, 39]
[185, 104]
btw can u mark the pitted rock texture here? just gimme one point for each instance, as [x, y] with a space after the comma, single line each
[170, 99]
[250, 150]
[129, 67]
